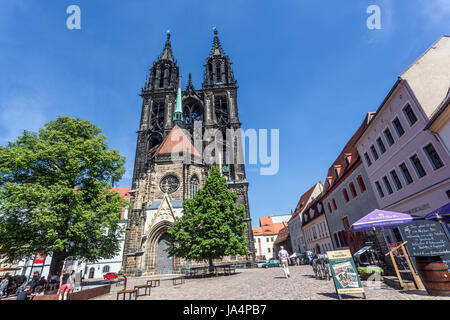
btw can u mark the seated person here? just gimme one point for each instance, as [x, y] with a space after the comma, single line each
[12, 286]
[25, 294]
[41, 285]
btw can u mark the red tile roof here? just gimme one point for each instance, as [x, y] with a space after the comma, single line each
[176, 142]
[268, 227]
[348, 150]
[125, 193]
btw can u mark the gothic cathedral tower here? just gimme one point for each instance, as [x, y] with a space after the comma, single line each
[162, 177]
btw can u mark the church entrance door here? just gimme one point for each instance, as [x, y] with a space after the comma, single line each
[164, 263]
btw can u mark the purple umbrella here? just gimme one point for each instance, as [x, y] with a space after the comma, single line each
[380, 219]
[443, 211]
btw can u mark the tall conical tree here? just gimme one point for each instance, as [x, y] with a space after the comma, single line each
[212, 225]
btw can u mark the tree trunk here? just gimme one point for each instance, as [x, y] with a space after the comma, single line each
[57, 263]
[211, 266]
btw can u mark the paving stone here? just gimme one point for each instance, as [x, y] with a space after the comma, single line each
[264, 284]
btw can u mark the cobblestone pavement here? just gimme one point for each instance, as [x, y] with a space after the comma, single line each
[263, 284]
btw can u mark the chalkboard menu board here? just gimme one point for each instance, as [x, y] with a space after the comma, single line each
[426, 238]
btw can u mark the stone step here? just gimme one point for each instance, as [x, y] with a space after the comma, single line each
[395, 283]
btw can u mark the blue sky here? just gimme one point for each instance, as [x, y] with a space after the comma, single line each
[311, 69]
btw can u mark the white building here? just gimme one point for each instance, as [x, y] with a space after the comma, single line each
[266, 234]
[298, 243]
[315, 227]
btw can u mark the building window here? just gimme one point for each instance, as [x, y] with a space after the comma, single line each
[194, 186]
[268, 250]
[387, 185]
[361, 184]
[347, 163]
[381, 145]
[342, 238]
[336, 239]
[374, 153]
[336, 173]
[380, 191]
[434, 158]
[448, 193]
[398, 127]
[346, 198]
[389, 137]
[329, 208]
[406, 174]
[369, 162]
[271, 239]
[105, 269]
[352, 189]
[410, 115]
[334, 204]
[267, 240]
[397, 182]
[418, 166]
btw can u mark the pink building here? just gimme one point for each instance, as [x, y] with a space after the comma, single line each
[407, 166]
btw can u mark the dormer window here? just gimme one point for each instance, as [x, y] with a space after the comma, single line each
[348, 159]
[337, 171]
[329, 180]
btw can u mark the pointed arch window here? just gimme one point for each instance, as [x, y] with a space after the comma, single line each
[193, 187]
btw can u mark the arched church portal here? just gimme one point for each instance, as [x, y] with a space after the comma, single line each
[157, 257]
[164, 263]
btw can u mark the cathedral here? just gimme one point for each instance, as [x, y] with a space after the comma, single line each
[170, 165]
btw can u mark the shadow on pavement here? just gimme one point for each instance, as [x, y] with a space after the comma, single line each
[335, 295]
[416, 292]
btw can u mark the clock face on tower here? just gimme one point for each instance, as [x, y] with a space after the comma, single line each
[169, 184]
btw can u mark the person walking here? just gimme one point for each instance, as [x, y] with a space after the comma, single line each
[53, 281]
[284, 257]
[65, 283]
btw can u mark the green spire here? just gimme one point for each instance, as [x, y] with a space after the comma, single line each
[178, 117]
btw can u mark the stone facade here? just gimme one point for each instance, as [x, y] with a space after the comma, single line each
[161, 181]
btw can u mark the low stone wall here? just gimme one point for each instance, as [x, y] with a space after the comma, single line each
[90, 293]
[79, 295]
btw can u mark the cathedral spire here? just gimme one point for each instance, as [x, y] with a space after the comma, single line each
[218, 66]
[217, 48]
[164, 71]
[178, 117]
[167, 51]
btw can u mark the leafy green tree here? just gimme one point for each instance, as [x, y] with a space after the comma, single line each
[56, 196]
[212, 225]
